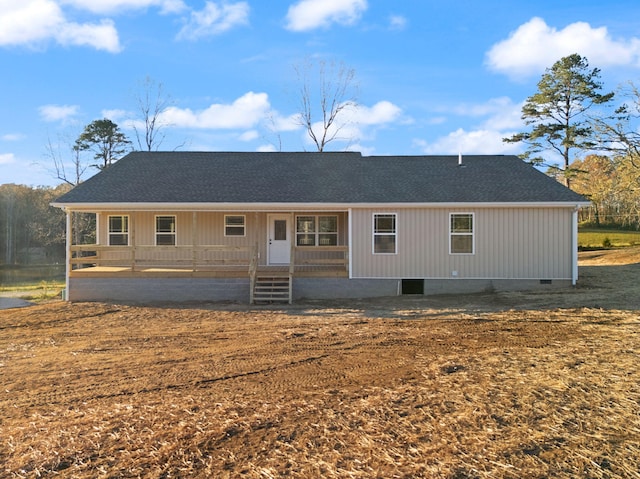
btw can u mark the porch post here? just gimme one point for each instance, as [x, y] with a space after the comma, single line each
[292, 252]
[350, 241]
[132, 239]
[292, 256]
[574, 246]
[194, 240]
[67, 269]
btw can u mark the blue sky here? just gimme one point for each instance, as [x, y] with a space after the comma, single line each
[432, 77]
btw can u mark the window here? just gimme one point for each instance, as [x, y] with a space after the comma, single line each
[234, 225]
[317, 230]
[165, 230]
[461, 233]
[118, 230]
[280, 230]
[384, 233]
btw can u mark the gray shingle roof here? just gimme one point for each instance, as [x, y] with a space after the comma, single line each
[347, 177]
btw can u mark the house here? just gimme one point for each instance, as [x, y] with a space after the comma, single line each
[197, 226]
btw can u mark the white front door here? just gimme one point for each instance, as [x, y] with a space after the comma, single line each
[279, 241]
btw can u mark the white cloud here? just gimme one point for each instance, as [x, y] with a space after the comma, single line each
[101, 36]
[13, 137]
[249, 135]
[245, 112]
[502, 113]
[7, 158]
[29, 21]
[279, 123]
[397, 22]
[436, 120]
[33, 22]
[116, 114]
[535, 46]
[497, 118]
[311, 14]
[475, 142]
[214, 19]
[267, 148]
[58, 112]
[126, 119]
[509, 118]
[492, 106]
[117, 6]
[380, 113]
[364, 150]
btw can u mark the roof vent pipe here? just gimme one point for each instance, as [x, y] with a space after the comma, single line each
[460, 159]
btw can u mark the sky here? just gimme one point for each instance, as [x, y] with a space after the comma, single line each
[430, 77]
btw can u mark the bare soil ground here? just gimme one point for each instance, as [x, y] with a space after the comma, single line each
[511, 385]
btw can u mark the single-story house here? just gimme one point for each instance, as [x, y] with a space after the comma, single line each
[216, 226]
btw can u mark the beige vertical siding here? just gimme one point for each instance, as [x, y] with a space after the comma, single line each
[517, 243]
[207, 228]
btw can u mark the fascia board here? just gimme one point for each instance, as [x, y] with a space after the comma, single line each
[303, 206]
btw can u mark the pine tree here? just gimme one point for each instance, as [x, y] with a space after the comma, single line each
[556, 112]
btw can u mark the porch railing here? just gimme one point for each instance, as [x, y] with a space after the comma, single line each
[319, 257]
[204, 257]
[194, 258]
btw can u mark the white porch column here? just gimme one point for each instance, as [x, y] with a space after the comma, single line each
[574, 246]
[292, 252]
[69, 241]
[350, 241]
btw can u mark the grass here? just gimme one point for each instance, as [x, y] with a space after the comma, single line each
[32, 282]
[596, 237]
[34, 291]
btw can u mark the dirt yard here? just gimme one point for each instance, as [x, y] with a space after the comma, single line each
[516, 385]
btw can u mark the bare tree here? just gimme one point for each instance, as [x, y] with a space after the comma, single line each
[70, 172]
[152, 102]
[331, 88]
[619, 133]
[273, 131]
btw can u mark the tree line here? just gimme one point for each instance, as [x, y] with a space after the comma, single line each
[32, 230]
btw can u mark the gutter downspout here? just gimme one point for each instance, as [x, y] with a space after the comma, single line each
[574, 246]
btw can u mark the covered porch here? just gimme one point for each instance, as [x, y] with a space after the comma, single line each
[268, 248]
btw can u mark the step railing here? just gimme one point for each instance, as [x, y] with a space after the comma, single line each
[253, 270]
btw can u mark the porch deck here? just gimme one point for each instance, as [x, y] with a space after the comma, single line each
[301, 271]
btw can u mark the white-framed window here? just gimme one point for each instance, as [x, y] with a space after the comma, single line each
[118, 230]
[317, 230]
[234, 225]
[385, 233]
[461, 236]
[165, 230]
